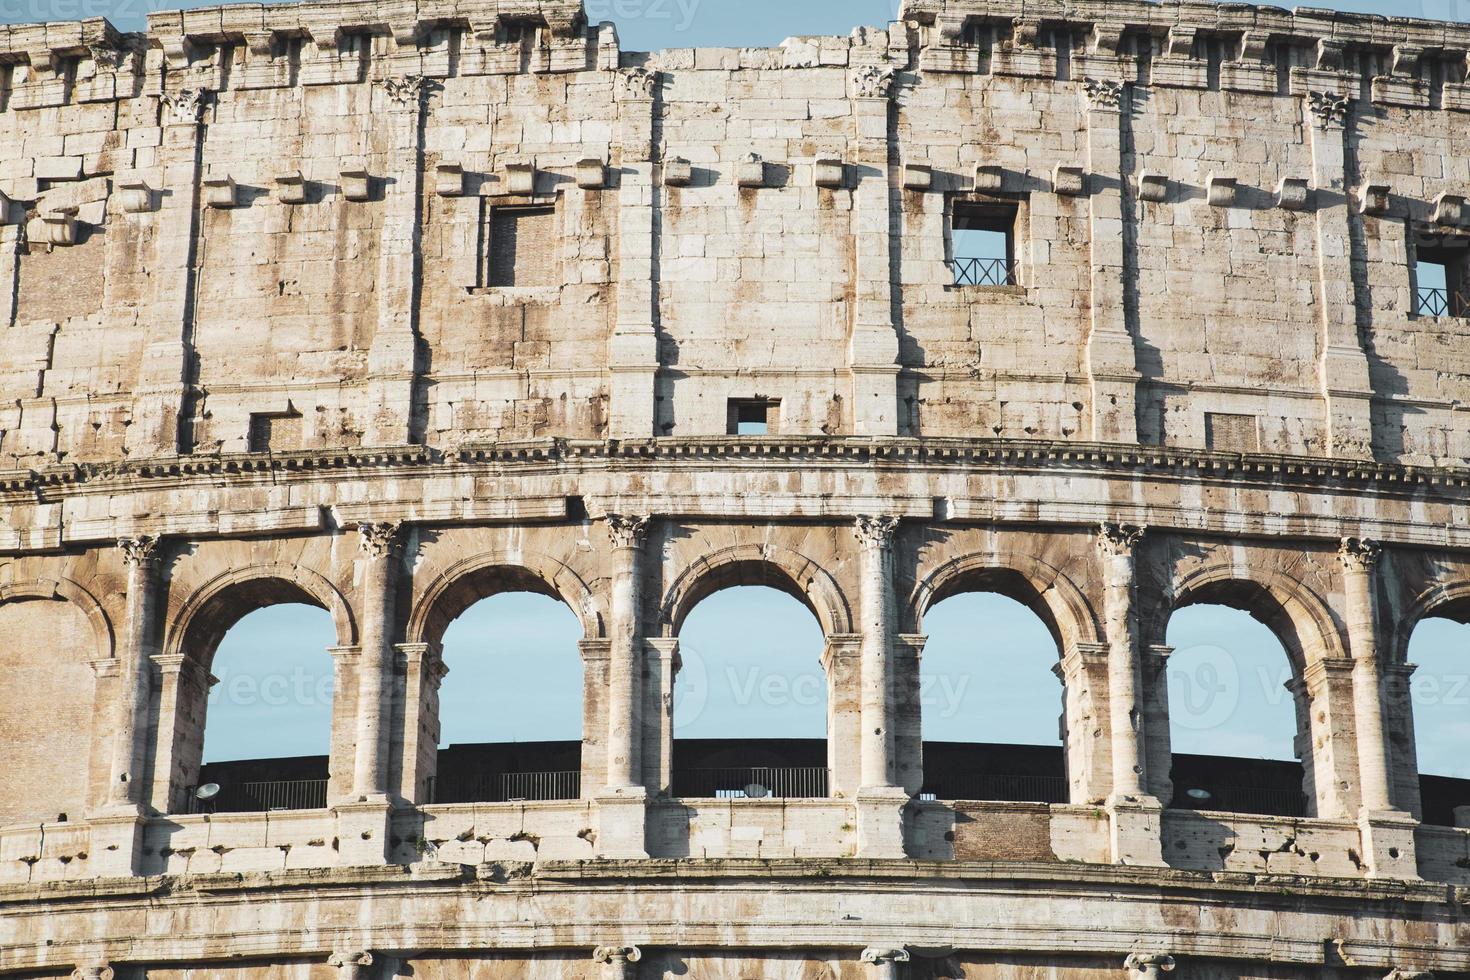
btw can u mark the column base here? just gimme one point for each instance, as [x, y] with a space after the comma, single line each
[1388, 844]
[116, 850]
[622, 823]
[880, 811]
[1135, 830]
[363, 836]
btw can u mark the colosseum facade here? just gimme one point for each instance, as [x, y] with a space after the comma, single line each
[387, 307]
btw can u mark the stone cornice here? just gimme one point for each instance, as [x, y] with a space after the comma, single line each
[1337, 475]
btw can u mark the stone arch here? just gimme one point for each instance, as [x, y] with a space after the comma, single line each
[1044, 589]
[65, 590]
[213, 609]
[468, 581]
[1439, 600]
[757, 564]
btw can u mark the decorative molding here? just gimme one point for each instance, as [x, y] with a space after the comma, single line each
[617, 954]
[405, 90]
[1329, 108]
[872, 82]
[1103, 93]
[185, 105]
[377, 540]
[627, 531]
[1120, 540]
[640, 83]
[876, 532]
[1360, 554]
[1149, 964]
[142, 550]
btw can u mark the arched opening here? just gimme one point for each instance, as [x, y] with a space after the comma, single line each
[750, 711]
[510, 710]
[991, 702]
[1237, 717]
[1439, 693]
[267, 727]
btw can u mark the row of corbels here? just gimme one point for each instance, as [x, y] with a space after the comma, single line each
[751, 171]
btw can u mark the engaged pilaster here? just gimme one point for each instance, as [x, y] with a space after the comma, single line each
[880, 799]
[873, 350]
[1388, 835]
[622, 803]
[1135, 816]
[633, 349]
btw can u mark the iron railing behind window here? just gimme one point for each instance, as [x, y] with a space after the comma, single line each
[984, 272]
[732, 784]
[996, 788]
[1440, 302]
[1265, 801]
[281, 794]
[505, 787]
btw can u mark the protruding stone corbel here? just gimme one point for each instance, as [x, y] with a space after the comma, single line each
[107, 56]
[830, 173]
[1069, 181]
[750, 171]
[1181, 41]
[1374, 198]
[291, 188]
[261, 45]
[60, 227]
[1222, 190]
[1153, 187]
[1148, 965]
[989, 178]
[220, 192]
[520, 177]
[1293, 193]
[178, 50]
[351, 964]
[1330, 52]
[134, 196]
[1449, 209]
[1406, 58]
[678, 172]
[356, 182]
[918, 176]
[406, 33]
[1253, 45]
[449, 180]
[326, 37]
[1025, 33]
[1107, 38]
[42, 60]
[591, 173]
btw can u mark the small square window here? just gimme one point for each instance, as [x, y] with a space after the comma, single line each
[523, 246]
[753, 416]
[1232, 433]
[983, 238]
[1441, 268]
[274, 433]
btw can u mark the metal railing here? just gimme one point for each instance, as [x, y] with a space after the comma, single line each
[506, 787]
[1262, 801]
[998, 788]
[1440, 302]
[788, 782]
[262, 797]
[984, 272]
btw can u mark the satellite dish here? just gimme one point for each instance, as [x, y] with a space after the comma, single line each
[1200, 794]
[755, 791]
[207, 792]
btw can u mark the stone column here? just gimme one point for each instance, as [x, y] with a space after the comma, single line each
[125, 788]
[183, 691]
[1083, 671]
[379, 545]
[622, 804]
[618, 962]
[1112, 366]
[1158, 748]
[884, 961]
[1346, 386]
[423, 673]
[842, 662]
[352, 964]
[594, 654]
[1388, 835]
[1134, 815]
[880, 799]
[1148, 966]
[393, 357]
[633, 361]
[873, 349]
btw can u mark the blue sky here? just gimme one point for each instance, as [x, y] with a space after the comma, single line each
[650, 24]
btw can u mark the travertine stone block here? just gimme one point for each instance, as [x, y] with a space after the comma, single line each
[449, 180]
[1293, 193]
[678, 172]
[591, 173]
[918, 176]
[291, 188]
[1069, 180]
[220, 192]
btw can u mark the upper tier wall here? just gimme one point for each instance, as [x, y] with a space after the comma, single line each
[324, 226]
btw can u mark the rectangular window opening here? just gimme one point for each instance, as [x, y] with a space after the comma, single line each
[753, 416]
[983, 236]
[1441, 269]
[1232, 433]
[523, 246]
[274, 433]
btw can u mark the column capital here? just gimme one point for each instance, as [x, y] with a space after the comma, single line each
[627, 531]
[351, 964]
[405, 91]
[1359, 554]
[184, 106]
[639, 84]
[93, 971]
[617, 954]
[876, 532]
[1120, 540]
[1149, 964]
[872, 82]
[1410, 975]
[885, 954]
[378, 539]
[1104, 94]
[141, 551]
[1329, 110]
